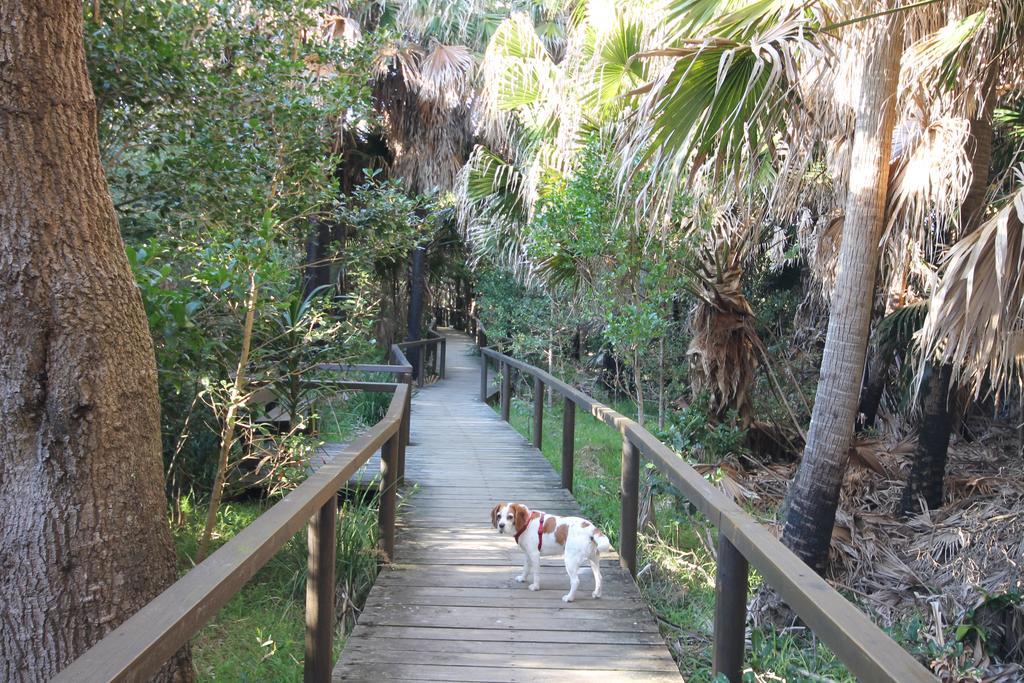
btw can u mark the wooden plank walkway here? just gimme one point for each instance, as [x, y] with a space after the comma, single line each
[450, 609]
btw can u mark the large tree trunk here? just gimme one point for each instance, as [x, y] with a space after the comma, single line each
[928, 472]
[84, 541]
[814, 494]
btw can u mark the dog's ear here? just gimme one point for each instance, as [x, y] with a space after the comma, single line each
[494, 515]
[522, 516]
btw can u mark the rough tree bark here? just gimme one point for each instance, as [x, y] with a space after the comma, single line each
[84, 541]
[814, 494]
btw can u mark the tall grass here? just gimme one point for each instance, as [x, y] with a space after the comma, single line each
[259, 634]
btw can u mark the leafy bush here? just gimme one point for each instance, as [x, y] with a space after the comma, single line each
[693, 432]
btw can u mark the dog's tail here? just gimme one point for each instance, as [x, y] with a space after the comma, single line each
[600, 540]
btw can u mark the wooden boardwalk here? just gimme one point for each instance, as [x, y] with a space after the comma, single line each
[450, 609]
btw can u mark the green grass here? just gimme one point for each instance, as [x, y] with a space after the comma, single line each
[259, 634]
[338, 417]
[678, 575]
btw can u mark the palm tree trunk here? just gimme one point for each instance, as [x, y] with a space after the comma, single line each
[814, 494]
[874, 384]
[929, 470]
[316, 272]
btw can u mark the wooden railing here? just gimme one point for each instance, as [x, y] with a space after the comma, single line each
[865, 649]
[430, 350]
[142, 644]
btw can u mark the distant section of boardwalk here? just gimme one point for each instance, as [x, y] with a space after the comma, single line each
[450, 609]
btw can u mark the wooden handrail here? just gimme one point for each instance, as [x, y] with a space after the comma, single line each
[137, 648]
[867, 651]
[434, 341]
[364, 367]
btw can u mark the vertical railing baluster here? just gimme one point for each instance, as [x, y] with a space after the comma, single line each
[444, 356]
[506, 391]
[538, 412]
[321, 540]
[568, 441]
[386, 504]
[731, 585]
[629, 489]
[483, 376]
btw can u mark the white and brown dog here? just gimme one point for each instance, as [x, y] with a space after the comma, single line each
[539, 533]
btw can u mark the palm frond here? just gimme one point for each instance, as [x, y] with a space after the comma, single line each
[940, 54]
[1012, 119]
[618, 70]
[975, 317]
[722, 95]
[963, 50]
[929, 179]
[488, 177]
[492, 211]
[897, 330]
[445, 74]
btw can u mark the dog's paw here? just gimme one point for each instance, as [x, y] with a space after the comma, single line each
[596, 594]
[567, 597]
[535, 586]
[521, 578]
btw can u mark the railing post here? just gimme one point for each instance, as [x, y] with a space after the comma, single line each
[421, 351]
[321, 541]
[730, 610]
[629, 490]
[538, 412]
[444, 355]
[568, 441]
[386, 508]
[403, 441]
[483, 377]
[506, 391]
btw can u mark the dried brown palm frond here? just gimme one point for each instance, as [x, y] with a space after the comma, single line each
[341, 28]
[723, 351]
[930, 176]
[425, 106]
[967, 48]
[976, 315]
[445, 75]
[820, 241]
[956, 557]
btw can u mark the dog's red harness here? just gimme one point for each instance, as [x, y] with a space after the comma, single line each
[540, 531]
